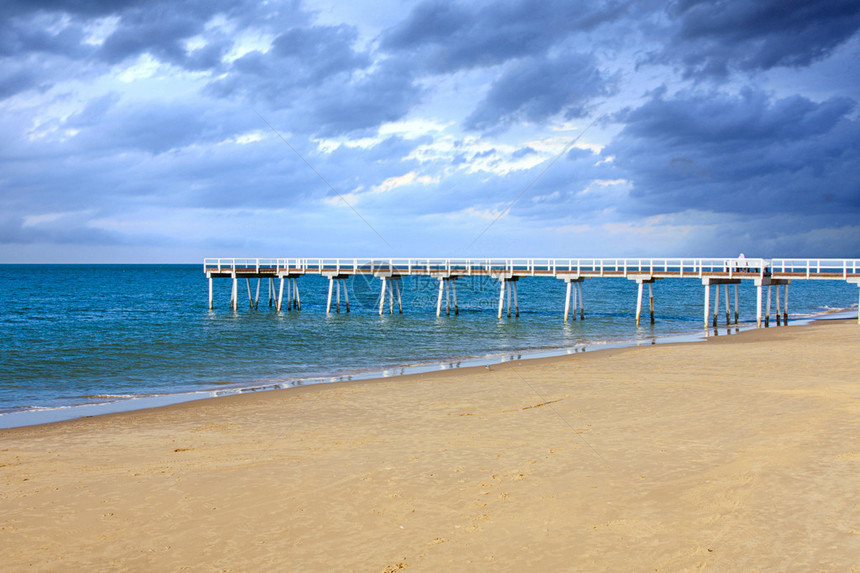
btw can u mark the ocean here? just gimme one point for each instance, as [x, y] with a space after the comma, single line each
[82, 339]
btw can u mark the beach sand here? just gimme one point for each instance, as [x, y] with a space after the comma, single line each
[741, 453]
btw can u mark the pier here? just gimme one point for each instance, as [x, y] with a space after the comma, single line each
[721, 273]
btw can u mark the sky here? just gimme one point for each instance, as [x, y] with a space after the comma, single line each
[168, 131]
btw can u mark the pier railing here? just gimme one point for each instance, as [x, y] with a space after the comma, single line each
[815, 268]
[519, 267]
[718, 272]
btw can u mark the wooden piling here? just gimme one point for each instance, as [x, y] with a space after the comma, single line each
[778, 309]
[567, 301]
[767, 313]
[234, 299]
[439, 298]
[516, 300]
[736, 303]
[281, 294]
[758, 306]
[651, 300]
[581, 301]
[716, 304]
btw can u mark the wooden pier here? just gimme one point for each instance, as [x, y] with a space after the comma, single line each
[718, 272]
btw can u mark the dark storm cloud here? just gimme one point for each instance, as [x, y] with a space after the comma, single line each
[50, 39]
[446, 36]
[331, 87]
[76, 7]
[713, 38]
[299, 61]
[537, 88]
[384, 95]
[32, 35]
[162, 30]
[151, 127]
[15, 78]
[743, 154]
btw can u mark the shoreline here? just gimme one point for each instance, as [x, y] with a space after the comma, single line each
[48, 415]
[738, 453]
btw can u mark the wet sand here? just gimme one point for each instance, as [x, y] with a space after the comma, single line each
[739, 453]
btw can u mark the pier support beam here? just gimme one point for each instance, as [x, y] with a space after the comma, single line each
[334, 281]
[502, 296]
[581, 301]
[758, 306]
[234, 297]
[717, 305]
[736, 304]
[778, 309]
[642, 281]
[439, 298]
[767, 313]
[857, 282]
[280, 294]
[769, 283]
[345, 293]
[567, 301]
[210, 292]
[448, 288]
[573, 290]
[651, 300]
[391, 287]
[400, 294]
[508, 284]
[708, 281]
[382, 296]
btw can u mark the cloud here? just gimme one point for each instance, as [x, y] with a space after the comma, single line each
[134, 122]
[449, 36]
[747, 153]
[714, 38]
[536, 89]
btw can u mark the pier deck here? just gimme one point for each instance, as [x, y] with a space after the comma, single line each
[719, 272]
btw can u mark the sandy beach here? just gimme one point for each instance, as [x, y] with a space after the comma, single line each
[738, 453]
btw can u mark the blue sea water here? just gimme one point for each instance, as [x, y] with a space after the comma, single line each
[75, 335]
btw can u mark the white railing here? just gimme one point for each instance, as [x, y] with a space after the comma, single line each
[627, 267]
[816, 268]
